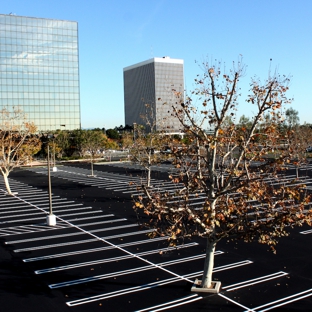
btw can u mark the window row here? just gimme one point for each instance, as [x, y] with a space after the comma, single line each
[53, 79]
[20, 79]
[35, 46]
[56, 56]
[24, 103]
[40, 89]
[32, 71]
[54, 121]
[29, 31]
[40, 67]
[11, 21]
[38, 39]
[38, 63]
[50, 110]
[31, 81]
[50, 124]
[46, 89]
[39, 95]
[48, 59]
[55, 124]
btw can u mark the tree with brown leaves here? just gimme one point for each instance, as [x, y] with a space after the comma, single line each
[229, 180]
[18, 142]
[145, 149]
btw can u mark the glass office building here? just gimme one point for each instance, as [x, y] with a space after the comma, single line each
[152, 82]
[39, 70]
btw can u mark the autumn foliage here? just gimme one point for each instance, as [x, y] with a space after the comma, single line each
[18, 141]
[229, 181]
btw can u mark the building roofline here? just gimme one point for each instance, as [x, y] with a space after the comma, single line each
[165, 59]
[51, 19]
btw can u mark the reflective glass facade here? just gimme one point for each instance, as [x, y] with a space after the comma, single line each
[39, 70]
[152, 82]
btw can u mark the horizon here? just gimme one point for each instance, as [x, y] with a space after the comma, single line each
[271, 36]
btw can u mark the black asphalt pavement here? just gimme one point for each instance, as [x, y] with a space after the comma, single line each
[98, 258]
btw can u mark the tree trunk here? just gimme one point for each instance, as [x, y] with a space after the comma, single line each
[7, 184]
[209, 263]
[91, 161]
[149, 168]
[149, 176]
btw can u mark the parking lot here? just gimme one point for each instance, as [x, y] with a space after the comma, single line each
[97, 257]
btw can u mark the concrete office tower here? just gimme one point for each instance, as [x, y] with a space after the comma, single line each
[39, 70]
[151, 82]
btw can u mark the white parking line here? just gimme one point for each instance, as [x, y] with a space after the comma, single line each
[284, 301]
[80, 241]
[171, 280]
[24, 229]
[81, 213]
[80, 252]
[254, 281]
[38, 238]
[95, 223]
[172, 304]
[129, 290]
[306, 232]
[120, 258]
[235, 302]
[125, 272]
[22, 220]
[76, 209]
[42, 203]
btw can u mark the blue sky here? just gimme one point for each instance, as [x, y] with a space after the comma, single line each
[119, 33]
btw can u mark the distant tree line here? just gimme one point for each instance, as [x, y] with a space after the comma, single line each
[77, 143]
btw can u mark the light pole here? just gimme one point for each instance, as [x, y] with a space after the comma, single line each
[51, 219]
[134, 128]
[54, 136]
[54, 162]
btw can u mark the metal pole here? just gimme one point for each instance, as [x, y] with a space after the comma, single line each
[134, 126]
[91, 164]
[53, 152]
[49, 180]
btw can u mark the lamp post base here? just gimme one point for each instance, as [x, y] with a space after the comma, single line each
[51, 220]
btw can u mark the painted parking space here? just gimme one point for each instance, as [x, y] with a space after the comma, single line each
[111, 181]
[39, 244]
[119, 257]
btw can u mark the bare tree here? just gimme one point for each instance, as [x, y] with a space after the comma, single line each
[92, 141]
[18, 142]
[147, 143]
[227, 180]
[292, 118]
[298, 141]
[61, 143]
